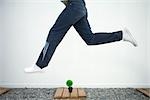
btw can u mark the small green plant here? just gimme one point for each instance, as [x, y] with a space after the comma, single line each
[69, 83]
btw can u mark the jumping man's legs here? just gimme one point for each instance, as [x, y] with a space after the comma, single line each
[83, 28]
[74, 14]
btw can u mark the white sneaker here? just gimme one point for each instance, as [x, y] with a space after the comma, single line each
[33, 69]
[127, 36]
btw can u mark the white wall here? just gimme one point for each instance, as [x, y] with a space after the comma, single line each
[148, 38]
[119, 64]
[1, 42]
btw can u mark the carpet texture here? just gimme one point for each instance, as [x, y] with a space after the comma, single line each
[92, 94]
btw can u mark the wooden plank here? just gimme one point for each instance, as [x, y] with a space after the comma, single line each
[70, 99]
[145, 91]
[3, 90]
[81, 92]
[66, 93]
[74, 93]
[63, 94]
[82, 98]
[58, 93]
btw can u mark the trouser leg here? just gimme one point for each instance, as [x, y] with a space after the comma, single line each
[84, 30]
[66, 19]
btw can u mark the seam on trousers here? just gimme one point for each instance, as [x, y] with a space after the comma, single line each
[45, 50]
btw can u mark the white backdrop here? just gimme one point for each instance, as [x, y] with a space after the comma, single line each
[148, 38]
[25, 26]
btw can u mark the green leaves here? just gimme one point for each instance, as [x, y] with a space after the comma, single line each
[69, 83]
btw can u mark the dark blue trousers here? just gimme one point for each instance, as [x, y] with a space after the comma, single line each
[75, 14]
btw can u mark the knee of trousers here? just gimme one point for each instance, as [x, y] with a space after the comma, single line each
[89, 41]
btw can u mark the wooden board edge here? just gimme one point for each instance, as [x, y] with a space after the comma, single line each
[147, 93]
[5, 90]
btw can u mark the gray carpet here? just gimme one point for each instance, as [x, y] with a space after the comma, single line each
[92, 94]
